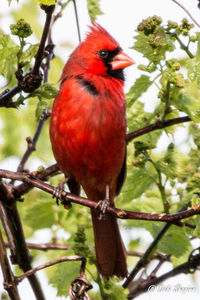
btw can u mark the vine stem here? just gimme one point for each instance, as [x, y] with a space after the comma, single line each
[187, 12]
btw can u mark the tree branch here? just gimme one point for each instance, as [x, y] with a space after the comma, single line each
[32, 80]
[22, 256]
[6, 97]
[9, 279]
[31, 143]
[119, 213]
[158, 124]
[145, 258]
[49, 9]
[44, 174]
[77, 21]
[54, 262]
[50, 246]
[187, 268]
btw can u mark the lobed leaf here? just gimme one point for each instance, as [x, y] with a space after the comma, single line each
[94, 9]
[140, 86]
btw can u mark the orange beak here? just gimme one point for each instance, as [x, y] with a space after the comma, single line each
[121, 61]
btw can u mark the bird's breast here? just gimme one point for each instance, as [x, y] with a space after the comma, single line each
[88, 131]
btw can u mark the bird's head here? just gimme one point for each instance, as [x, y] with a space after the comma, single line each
[99, 54]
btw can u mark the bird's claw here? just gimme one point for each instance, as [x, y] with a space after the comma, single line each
[102, 205]
[57, 193]
[58, 190]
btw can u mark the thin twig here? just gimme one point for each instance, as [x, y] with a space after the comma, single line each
[182, 45]
[77, 21]
[188, 267]
[158, 124]
[54, 262]
[45, 246]
[49, 246]
[144, 259]
[187, 12]
[44, 174]
[32, 142]
[119, 213]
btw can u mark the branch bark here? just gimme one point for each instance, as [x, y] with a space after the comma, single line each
[119, 213]
[54, 262]
[31, 143]
[31, 80]
[158, 124]
[9, 279]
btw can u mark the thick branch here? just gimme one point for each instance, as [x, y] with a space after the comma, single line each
[49, 9]
[31, 80]
[122, 214]
[158, 124]
[6, 98]
[22, 256]
[9, 279]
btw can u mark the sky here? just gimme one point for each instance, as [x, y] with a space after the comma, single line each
[120, 18]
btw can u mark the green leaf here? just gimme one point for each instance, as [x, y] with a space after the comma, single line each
[94, 9]
[41, 106]
[46, 91]
[44, 219]
[175, 243]
[153, 46]
[8, 57]
[138, 180]
[115, 291]
[48, 2]
[63, 275]
[197, 229]
[29, 53]
[150, 204]
[137, 117]
[189, 104]
[173, 164]
[198, 46]
[140, 86]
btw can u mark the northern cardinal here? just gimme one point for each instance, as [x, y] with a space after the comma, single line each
[88, 135]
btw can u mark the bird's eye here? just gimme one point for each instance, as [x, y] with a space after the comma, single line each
[103, 53]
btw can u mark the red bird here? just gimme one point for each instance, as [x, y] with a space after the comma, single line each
[88, 135]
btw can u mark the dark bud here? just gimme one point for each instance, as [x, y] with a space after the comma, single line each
[30, 82]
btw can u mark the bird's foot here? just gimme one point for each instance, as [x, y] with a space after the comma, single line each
[102, 205]
[58, 193]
